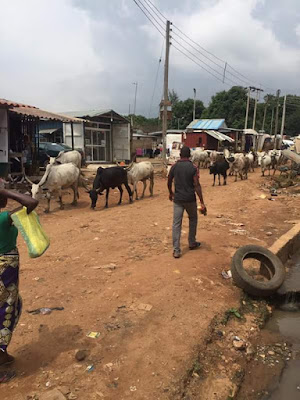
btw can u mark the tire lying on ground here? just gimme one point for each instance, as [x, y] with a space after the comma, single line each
[268, 260]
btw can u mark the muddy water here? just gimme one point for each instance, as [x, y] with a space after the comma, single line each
[287, 324]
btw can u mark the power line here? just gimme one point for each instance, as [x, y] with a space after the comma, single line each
[156, 11]
[150, 15]
[203, 62]
[163, 18]
[146, 15]
[201, 66]
[156, 78]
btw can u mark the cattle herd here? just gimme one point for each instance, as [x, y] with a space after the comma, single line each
[237, 164]
[64, 172]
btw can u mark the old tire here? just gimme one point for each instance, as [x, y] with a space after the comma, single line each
[249, 284]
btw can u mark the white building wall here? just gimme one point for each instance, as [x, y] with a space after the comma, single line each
[121, 142]
[78, 131]
[3, 136]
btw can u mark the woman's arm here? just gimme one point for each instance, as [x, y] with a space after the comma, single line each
[23, 199]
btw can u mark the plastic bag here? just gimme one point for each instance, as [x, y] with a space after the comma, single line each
[29, 225]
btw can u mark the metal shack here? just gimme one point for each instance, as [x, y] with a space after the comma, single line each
[105, 135]
[19, 136]
[207, 133]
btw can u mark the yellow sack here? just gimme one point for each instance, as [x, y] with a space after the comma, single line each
[29, 225]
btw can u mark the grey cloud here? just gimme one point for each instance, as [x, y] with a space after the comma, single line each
[103, 46]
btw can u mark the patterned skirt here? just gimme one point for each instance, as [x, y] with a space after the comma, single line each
[10, 301]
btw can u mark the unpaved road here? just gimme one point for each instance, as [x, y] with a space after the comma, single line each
[140, 354]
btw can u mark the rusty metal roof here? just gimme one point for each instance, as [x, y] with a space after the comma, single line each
[9, 103]
[42, 114]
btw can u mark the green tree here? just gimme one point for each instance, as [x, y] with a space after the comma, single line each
[173, 97]
[230, 105]
[182, 113]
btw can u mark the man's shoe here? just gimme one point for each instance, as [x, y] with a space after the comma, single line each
[176, 254]
[195, 246]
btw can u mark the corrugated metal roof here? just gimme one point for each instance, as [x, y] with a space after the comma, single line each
[94, 113]
[86, 113]
[9, 103]
[250, 132]
[207, 124]
[174, 131]
[219, 136]
[38, 113]
[50, 131]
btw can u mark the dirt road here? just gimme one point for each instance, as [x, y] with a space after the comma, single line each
[151, 310]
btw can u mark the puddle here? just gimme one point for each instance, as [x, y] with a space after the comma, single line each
[287, 324]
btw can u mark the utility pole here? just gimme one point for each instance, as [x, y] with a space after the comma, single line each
[271, 128]
[166, 79]
[247, 109]
[134, 107]
[129, 109]
[277, 112]
[194, 110]
[283, 117]
[255, 106]
[265, 113]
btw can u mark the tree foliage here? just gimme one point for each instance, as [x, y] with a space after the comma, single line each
[230, 105]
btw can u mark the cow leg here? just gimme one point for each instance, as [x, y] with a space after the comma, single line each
[219, 180]
[135, 190]
[121, 194]
[60, 200]
[129, 192]
[145, 185]
[225, 177]
[75, 191]
[106, 198]
[48, 195]
[274, 170]
[236, 177]
[269, 170]
[151, 184]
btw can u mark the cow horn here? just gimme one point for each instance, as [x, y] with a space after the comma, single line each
[129, 166]
[28, 180]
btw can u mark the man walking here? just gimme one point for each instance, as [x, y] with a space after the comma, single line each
[186, 177]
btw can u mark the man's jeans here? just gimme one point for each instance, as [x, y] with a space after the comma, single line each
[191, 209]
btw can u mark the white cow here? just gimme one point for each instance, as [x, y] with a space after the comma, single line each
[213, 157]
[56, 178]
[141, 172]
[200, 157]
[65, 157]
[251, 159]
[268, 161]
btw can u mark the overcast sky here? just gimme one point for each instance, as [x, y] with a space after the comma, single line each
[85, 54]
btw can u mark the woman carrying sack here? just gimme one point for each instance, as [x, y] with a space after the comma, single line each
[10, 301]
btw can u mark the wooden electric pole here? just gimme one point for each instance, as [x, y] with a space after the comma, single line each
[247, 109]
[272, 117]
[166, 97]
[194, 109]
[283, 117]
[265, 114]
[255, 106]
[277, 113]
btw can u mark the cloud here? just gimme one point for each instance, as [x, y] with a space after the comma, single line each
[76, 54]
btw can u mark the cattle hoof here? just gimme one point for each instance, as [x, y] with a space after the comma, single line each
[46, 211]
[74, 203]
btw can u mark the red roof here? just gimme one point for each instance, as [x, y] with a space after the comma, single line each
[9, 103]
